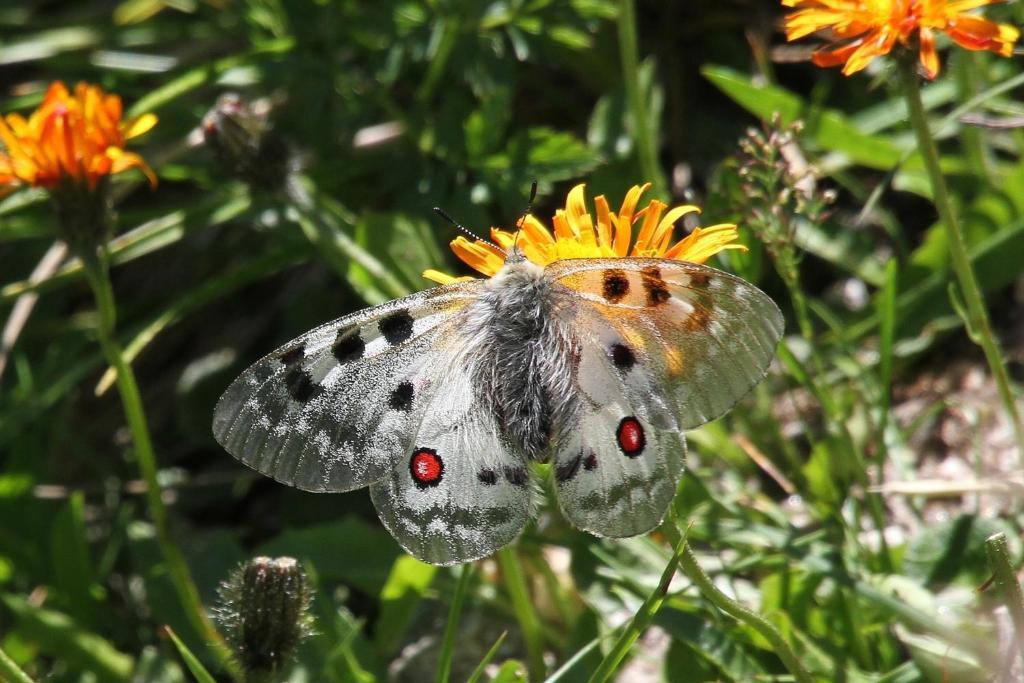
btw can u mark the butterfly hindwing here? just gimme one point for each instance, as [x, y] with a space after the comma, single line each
[616, 468]
[705, 337]
[330, 411]
[460, 491]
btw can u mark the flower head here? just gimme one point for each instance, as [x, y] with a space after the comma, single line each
[866, 29]
[78, 137]
[265, 613]
[577, 234]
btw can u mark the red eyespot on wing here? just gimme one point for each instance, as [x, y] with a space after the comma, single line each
[630, 436]
[426, 467]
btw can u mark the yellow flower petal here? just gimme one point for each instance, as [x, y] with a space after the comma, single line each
[577, 235]
[444, 278]
[139, 125]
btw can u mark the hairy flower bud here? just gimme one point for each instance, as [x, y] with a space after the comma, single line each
[264, 613]
[242, 137]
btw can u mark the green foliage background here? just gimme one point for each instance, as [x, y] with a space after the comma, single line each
[480, 98]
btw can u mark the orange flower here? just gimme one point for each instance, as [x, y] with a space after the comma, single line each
[866, 29]
[578, 235]
[79, 137]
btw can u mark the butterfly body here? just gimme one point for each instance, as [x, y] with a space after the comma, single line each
[440, 401]
[522, 356]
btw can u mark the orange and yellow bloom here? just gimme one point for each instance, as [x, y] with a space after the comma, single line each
[865, 29]
[577, 234]
[76, 137]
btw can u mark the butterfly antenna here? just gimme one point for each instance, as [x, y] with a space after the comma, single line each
[444, 214]
[522, 217]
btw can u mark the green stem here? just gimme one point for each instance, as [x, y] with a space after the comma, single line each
[96, 273]
[1007, 583]
[629, 54]
[529, 623]
[977, 317]
[691, 567]
[444, 663]
[9, 671]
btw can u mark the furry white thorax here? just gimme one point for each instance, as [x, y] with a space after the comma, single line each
[524, 352]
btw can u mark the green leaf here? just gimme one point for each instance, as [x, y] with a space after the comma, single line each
[401, 595]
[829, 129]
[59, 636]
[941, 661]
[72, 567]
[545, 154]
[953, 549]
[350, 551]
[511, 671]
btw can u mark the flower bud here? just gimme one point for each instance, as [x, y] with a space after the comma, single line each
[243, 139]
[264, 613]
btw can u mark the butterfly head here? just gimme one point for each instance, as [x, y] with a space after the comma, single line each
[514, 254]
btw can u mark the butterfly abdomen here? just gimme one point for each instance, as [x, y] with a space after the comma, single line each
[523, 374]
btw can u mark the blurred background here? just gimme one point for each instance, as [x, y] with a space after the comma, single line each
[300, 149]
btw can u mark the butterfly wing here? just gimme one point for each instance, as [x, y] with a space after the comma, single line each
[331, 410]
[461, 491]
[704, 337]
[617, 467]
[665, 346]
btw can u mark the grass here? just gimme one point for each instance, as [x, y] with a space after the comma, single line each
[853, 519]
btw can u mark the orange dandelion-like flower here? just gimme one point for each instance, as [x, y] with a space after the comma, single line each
[577, 234]
[866, 29]
[77, 137]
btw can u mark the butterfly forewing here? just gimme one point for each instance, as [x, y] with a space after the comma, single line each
[329, 411]
[705, 337]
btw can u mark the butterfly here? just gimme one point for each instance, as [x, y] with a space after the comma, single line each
[441, 400]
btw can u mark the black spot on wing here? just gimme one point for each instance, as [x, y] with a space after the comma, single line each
[396, 328]
[487, 476]
[515, 475]
[590, 462]
[657, 290]
[300, 384]
[615, 285]
[622, 356]
[699, 280]
[567, 470]
[401, 397]
[348, 346]
[293, 355]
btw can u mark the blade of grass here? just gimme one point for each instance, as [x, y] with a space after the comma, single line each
[191, 661]
[321, 220]
[527, 617]
[640, 620]
[479, 670]
[9, 671]
[201, 75]
[574, 660]
[444, 663]
[629, 55]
